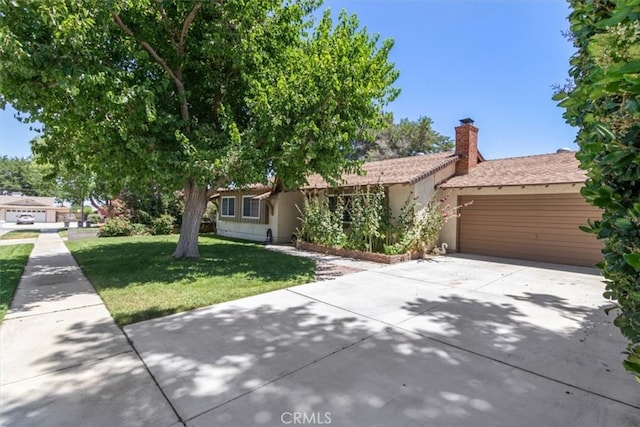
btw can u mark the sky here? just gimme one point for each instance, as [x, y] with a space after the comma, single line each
[494, 61]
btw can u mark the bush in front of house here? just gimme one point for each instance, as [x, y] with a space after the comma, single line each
[162, 225]
[116, 227]
[94, 218]
[369, 226]
[320, 224]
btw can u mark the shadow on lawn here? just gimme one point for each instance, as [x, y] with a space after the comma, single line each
[118, 263]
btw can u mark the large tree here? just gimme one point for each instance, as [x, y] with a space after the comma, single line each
[603, 101]
[408, 138]
[25, 176]
[193, 94]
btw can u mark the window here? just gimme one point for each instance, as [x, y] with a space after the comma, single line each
[228, 208]
[250, 207]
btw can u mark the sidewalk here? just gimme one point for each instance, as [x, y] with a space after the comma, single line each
[63, 360]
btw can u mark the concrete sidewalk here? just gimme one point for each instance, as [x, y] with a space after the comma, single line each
[63, 360]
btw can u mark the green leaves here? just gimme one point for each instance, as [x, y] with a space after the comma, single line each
[603, 103]
[633, 260]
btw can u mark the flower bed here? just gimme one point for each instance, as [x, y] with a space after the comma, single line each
[365, 256]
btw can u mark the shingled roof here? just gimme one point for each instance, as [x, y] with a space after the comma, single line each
[559, 168]
[405, 170]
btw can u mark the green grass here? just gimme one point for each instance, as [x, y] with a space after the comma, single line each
[20, 234]
[13, 258]
[63, 233]
[138, 280]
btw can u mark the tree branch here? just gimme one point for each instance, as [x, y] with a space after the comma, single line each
[165, 19]
[184, 108]
[185, 26]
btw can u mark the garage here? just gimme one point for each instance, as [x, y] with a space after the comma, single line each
[537, 227]
[12, 214]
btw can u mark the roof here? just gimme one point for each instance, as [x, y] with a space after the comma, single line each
[558, 168]
[28, 201]
[404, 170]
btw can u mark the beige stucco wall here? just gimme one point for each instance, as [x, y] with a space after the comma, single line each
[287, 215]
[450, 229]
[423, 190]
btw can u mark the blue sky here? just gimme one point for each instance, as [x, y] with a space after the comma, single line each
[492, 60]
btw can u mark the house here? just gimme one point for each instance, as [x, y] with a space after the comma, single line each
[261, 213]
[522, 207]
[44, 209]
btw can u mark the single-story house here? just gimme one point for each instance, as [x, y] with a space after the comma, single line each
[44, 209]
[262, 213]
[523, 207]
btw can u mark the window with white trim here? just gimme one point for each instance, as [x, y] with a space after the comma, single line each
[250, 207]
[228, 208]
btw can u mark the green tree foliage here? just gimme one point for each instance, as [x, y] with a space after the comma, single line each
[193, 94]
[602, 99]
[403, 139]
[25, 176]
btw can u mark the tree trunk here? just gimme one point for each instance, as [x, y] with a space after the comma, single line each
[195, 205]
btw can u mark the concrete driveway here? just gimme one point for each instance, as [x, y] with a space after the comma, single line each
[453, 341]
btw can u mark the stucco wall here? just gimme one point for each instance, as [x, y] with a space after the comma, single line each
[286, 215]
[450, 229]
[398, 195]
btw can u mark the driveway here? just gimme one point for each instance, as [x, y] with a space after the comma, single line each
[451, 341]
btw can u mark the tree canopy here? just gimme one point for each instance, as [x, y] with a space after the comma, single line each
[194, 95]
[603, 101]
[25, 176]
[407, 138]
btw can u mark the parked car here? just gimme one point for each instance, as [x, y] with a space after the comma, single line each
[25, 218]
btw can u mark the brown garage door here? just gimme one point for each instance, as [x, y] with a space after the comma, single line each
[541, 227]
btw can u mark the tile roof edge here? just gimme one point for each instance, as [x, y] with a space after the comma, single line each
[530, 156]
[446, 162]
[444, 184]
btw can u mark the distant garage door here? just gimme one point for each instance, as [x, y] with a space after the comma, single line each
[541, 227]
[12, 214]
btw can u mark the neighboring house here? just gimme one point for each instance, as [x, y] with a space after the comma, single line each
[44, 209]
[523, 207]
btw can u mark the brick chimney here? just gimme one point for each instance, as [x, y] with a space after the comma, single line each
[466, 146]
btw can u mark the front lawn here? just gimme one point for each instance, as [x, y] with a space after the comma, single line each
[20, 234]
[138, 280]
[13, 258]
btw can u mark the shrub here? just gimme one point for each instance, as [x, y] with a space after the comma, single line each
[319, 224]
[162, 225]
[368, 223]
[145, 218]
[94, 218]
[138, 229]
[116, 227]
[602, 101]
[371, 228]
